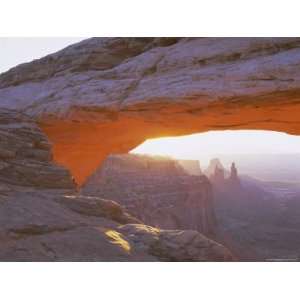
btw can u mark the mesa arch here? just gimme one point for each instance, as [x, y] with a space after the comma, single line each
[107, 95]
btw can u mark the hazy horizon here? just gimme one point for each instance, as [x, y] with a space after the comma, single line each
[222, 142]
[266, 155]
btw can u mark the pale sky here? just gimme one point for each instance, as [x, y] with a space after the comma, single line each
[222, 142]
[15, 51]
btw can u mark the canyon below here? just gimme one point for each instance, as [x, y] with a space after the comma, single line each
[256, 219]
[70, 190]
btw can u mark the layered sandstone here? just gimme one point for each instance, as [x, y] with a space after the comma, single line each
[157, 190]
[107, 95]
[26, 157]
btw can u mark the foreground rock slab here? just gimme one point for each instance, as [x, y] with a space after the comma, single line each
[45, 226]
[175, 245]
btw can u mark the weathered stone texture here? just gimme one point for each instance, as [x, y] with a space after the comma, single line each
[25, 155]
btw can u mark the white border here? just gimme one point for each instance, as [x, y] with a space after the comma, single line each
[147, 280]
[149, 18]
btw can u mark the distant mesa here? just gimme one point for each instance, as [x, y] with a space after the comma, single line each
[218, 176]
[192, 167]
[213, 164]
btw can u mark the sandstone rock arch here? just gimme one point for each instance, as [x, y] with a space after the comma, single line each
[107, 95]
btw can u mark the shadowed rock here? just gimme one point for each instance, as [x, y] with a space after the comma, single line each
[25, 155]
[94, 206]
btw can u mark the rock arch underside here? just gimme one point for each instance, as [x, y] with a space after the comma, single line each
[108, 95]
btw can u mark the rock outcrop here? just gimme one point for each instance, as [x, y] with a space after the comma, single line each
[107, 95]
[176, 245]
[25, 155]
[222, 178]
[157, 190]
[43, 218]
[46, 226]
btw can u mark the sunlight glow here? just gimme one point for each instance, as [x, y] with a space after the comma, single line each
[213, 143]
[117, 239]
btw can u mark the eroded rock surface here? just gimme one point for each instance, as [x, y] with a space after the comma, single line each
[107, 95]
[44, 226]
[175, 245]
[25, 155]
[98, 207]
